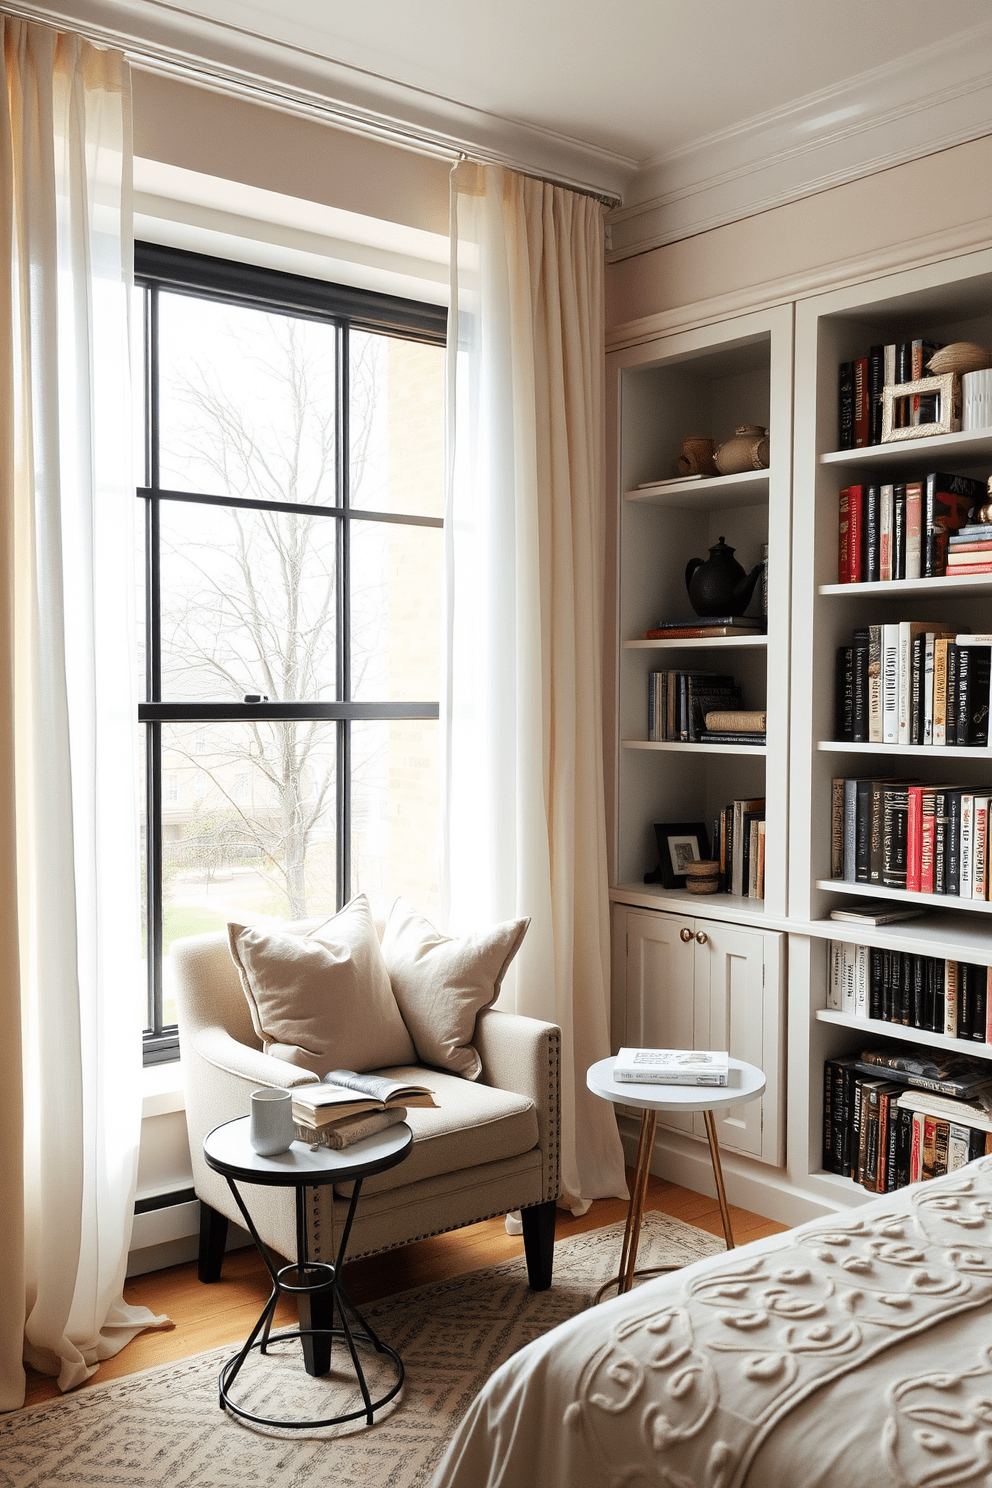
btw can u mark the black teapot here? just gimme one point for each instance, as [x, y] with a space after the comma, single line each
[720, 586]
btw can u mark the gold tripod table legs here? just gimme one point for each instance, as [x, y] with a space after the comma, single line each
[635, 1212]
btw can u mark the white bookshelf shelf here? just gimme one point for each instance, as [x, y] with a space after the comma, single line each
[971, 447]
[711, 494]
[947, 584]
[740, 910]
[904, 896]
[684, 747]
[928, 751]
[699, 643]
[882, 1028]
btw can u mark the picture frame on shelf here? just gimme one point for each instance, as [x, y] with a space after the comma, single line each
[678, 843]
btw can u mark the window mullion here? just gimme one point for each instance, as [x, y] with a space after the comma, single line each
[343, 475]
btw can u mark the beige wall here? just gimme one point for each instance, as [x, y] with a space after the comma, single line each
[798, 245]
[198, 129]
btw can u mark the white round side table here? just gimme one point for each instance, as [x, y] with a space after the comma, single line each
[745, 1082]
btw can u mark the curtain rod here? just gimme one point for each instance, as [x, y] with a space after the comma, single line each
[303, 104]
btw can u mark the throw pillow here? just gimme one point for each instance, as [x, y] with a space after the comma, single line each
[441, 983]
[322, 1000]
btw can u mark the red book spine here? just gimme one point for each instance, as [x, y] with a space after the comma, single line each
[970, 568]
[914, 839]
[855, 533]
[861, 434]
[844, 536]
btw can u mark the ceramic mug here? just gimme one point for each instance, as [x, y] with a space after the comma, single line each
[271, 1121]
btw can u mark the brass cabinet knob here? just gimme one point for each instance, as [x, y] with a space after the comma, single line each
[701, 937]
[685, 933]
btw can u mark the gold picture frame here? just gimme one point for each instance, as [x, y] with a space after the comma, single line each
[948, 389]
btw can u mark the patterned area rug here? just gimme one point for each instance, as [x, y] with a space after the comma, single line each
[163, 1428]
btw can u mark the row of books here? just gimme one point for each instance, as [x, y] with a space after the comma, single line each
[909, 834]
[861, 381]
[913, 682]
[678, 702]
[911, 990]
[903, 530]
[739, 847]
[885, 1132]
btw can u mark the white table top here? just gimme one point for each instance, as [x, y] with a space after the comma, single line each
[228, 1150]
[745, 1082]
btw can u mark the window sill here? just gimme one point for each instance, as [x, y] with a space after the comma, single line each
[162, 1089]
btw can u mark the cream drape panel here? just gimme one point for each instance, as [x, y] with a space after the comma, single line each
[70, 973]
[524, 818]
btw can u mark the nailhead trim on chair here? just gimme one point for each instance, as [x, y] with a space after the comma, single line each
[554, 1104]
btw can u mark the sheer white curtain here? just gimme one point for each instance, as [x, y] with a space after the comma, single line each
[524, 828]
[70, 1056]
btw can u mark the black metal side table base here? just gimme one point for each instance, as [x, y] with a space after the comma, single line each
[369, 1407]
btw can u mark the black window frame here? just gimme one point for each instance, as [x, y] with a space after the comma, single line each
[158, 268]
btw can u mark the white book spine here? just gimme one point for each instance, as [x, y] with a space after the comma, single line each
[890, 684]
[967, 827]
[928, 689]
[835, 954]
[849, 996]
[862, 965]
[957, 1147]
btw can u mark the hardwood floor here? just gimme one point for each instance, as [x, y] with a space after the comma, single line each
[204, 1317]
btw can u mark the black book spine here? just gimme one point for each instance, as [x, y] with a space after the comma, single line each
[940, 842]
[976, 728]
[951, 693]
[976, 1144]
[849, 1093]
[859, 689]
[875, 975]
[928, 1005]
[871, 507]
[845, 406]
[876, 381]
[844, 694]
[939, 975]
[898, 532]
[962, 694]
[952, 843]
[919, 991]
[906, 983]
[887, 986]
[904, 373]
[979, 1001]
[965, 988]
[916, 698]
[828, 1131]
[895, 806]
[904, 1147]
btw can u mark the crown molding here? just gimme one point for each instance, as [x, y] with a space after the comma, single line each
[910, 253]
[161, 37]
[929, 100]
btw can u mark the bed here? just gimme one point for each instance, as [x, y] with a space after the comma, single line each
[854, 1351]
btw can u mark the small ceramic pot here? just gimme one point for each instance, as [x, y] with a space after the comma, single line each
[696, 457]
[748, 450]
[702, 877]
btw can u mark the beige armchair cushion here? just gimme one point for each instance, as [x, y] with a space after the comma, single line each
[441, 984]
[322, 1000]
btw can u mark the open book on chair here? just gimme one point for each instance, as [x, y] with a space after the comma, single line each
[344, 1093]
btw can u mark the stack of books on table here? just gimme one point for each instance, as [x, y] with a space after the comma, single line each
[671, 1067]
[969, 550]
[346, 1107]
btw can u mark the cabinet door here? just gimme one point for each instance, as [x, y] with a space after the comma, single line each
[739, 1007]
[658, 987]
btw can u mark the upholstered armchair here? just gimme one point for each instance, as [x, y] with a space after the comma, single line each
[489, 1146]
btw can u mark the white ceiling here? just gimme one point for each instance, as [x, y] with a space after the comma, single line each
[635, 78]
[690, 113]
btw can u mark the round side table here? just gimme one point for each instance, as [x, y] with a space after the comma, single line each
[314, 1283]
[745, 1082]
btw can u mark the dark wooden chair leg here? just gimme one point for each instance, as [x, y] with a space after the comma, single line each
[213, 1238]
[317, 1311]
[539, 1243]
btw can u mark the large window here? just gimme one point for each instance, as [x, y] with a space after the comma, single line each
[292, 445]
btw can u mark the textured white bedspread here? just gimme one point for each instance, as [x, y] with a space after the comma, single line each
[854, 1351]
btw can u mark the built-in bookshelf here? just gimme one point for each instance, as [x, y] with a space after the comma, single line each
[943, 302]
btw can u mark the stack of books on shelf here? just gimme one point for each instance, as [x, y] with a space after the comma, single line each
[908, 834]
[739, 847]
[969, 550]
[672, 1067]
[346, 1107]
[678, 702]
[695, 627]
[904, 530]
[913, 682]
[860, 383]
[899, 1115]
[911, 990]
[736, 726]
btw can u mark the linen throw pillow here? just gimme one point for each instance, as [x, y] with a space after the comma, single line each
[441, 983]
[322, 1000]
